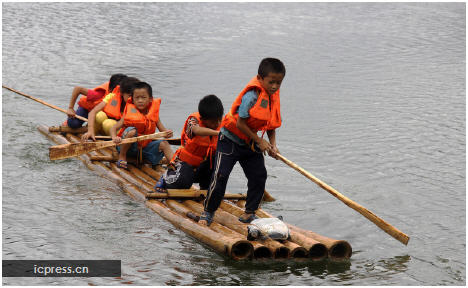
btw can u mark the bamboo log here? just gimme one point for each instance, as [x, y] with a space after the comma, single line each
[141, 175]
[260, 251]
[314, 249]
[188, 194]
[99, 168]
[236, 248]
[155, 174]
[103, 158]
[66, 129]
[338, 250]
[230, 221]
[133, 190]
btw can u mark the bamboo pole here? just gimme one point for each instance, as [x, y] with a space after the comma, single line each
[389, 229]
[278, 250]
[43, 102]
[260, 251]
[314, 249]
[236, 248]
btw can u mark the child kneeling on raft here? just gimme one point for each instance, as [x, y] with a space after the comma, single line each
[91, 98]
[141, 117]
[193, 162]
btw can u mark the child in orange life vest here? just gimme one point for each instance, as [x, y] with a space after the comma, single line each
[92, 98]
[194, 160]
[256, 108]
[141, 117]
[113, 105]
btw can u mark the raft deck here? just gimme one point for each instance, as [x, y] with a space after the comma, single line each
[226, 234]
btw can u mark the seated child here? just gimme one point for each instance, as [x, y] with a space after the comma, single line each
[141, 117]
[193, 161]
[113, 106]
[92, 98]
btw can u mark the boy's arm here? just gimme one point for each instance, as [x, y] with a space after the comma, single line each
[262, 143]
[274, 149]
[204, 131]
[162, 129]
[113, 131]
[91, 119]
[76, 92]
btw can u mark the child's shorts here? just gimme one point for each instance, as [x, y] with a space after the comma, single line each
[151, 152]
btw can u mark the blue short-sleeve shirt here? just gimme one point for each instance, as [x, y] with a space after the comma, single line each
[248, 101]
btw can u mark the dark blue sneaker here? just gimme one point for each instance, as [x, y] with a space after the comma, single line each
[248, 219]
[207, 216]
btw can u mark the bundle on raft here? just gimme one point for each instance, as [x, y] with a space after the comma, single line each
[182, 208]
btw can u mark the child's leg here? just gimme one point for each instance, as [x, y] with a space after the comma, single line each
[128, 133]
[203, 174]
[225, 159]
[255, 171]
[75, 122]
[179, 178]
[166, 149]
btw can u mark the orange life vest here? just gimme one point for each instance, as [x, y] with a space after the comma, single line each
[89, 105]
[112, 108]
[264, 114]
[144, 123]
[195, 150]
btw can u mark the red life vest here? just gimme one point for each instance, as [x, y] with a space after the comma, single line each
[264, 114]
[112, 108]
[89, 105]
[195, 150]
[144, 123]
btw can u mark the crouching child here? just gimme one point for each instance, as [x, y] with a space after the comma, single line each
[193, 162]
[141, 117]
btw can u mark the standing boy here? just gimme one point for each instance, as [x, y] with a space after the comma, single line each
[256, 108]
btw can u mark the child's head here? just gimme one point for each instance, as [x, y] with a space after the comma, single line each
[115, 80]
[142, 95]
[126, 87]
[211, 111]
[271, 72]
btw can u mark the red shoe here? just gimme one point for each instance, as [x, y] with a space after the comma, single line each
[65, 123]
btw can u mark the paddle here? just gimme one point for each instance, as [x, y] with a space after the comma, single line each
[392, 231]
[74, 149]
[172, 141]
[43, 102]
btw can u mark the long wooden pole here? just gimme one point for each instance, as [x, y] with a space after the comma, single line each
[392, 231]
[43, 102]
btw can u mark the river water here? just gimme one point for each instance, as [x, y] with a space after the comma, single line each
[373, 103]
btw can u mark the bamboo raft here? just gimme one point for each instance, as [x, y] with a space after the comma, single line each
[182, 208]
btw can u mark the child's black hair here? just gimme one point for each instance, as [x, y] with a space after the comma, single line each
[210, 107]
[271, 65]
[115, 80]
[143, 85]
[126, 87]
